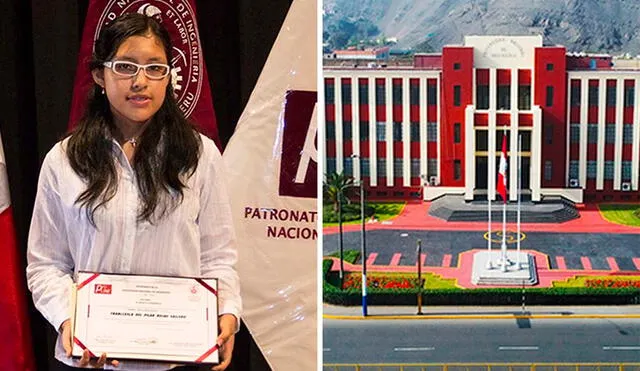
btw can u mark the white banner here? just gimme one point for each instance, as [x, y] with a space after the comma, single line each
[272, 162]
[5, 200]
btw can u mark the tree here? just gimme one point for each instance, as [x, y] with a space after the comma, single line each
[335, 186]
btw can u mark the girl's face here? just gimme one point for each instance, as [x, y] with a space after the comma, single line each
[135, 99]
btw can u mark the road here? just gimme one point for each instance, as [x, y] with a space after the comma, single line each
[472, 340]
[571, 246]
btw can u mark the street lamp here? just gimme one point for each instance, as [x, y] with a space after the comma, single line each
[340, 244]
[363, 247]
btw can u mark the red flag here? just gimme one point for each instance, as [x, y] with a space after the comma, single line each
[189, 73]
[502, 172]
[15, 344]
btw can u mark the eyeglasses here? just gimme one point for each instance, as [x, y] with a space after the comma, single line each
[154, 71]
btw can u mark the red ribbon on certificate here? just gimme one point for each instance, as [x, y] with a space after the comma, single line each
[206, 286]
[207, 354]
[86, 282]
[82, 346]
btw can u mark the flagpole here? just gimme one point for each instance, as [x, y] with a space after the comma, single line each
[489, 264]
[503, 247]
[519, 183]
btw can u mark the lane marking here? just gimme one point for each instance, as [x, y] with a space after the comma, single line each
[630, 347]
[560, 262]
[446, 261]
[518, 348]
[613, 264]
[636, 262]
[372, 257]
[395, 260]
[404, 234]
[412, 349]
[326, 349]
[586, 263]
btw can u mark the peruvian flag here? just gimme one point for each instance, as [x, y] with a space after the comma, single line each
[15, 344]
[502, 172]
[188, 74]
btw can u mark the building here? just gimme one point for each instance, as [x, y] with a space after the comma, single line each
[436, 127]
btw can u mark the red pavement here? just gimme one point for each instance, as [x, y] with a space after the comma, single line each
[415, 216]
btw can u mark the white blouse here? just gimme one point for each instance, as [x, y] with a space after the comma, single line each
[195, 240]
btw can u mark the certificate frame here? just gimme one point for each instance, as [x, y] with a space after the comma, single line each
[145, 317]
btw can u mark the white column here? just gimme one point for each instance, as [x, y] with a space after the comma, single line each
[635, 154]
[491, 136]
[469, 153]
[389, 128]
[602, 100]
[567, 155]
[406, 134]
[513, 138]
[423, 126]
[584, 117]
[617, 159]
[536, 154]
[338, 126]
[438, 131]
[355, 125]
[373, 134]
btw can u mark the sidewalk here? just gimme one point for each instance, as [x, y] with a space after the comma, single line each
[473, 312]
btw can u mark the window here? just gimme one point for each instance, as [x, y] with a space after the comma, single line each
[526, 140]
[364, 130]
[397, 167]
[504, 97]
[574, 169]
[499, 135]
[548, 134]
[331, 130]
[432, 132]
[432, 167]
[592, 133]
[363, 93]
[548, 170]
[380, 94]
[348, 166]
[414, 128]
[397, 131]
[381, 131]
[608, 170]
[610, 134]
[549, 100]
[482, 97]
[414, 94]
[574, 133]
[593, 95]
[482, 140]
[592, 169]
[626, 171]
[331, 165]
[456, 132]
[627, 133]
[346, 93]
[329, 93]
[365, 166]
[347, 132]
[456, 66]
[456, 95]
[431, 94]
[415, 167]
[629, 96]
[397, 94]
[611, 96]
[575, 95]
[524, 97]
[549, 66]
[457, 170]
[382, 167]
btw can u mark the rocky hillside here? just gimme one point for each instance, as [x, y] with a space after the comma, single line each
[610, 26]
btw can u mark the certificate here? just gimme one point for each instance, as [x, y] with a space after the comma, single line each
[146, 317]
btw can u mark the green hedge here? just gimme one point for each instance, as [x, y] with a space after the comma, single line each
[350, 212]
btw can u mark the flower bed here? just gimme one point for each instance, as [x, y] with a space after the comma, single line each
[612, 283]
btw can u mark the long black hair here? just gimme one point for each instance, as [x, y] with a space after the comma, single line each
[168, 150]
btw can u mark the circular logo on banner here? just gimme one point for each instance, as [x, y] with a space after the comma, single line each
[178, 17]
